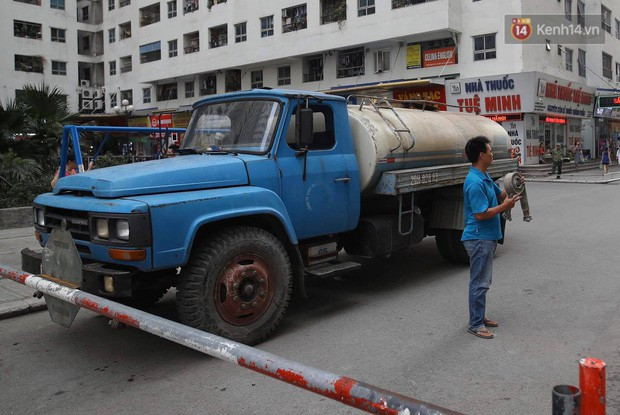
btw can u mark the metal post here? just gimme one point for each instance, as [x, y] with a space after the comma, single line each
[592, 384]
[565, 400]
[343, 389]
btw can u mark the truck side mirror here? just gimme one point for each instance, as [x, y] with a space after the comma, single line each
[305, 121]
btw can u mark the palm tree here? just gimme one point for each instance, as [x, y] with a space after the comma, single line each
[12, 122]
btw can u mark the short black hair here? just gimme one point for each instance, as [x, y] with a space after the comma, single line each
[475, 146]
[173, 147]
[70, 156]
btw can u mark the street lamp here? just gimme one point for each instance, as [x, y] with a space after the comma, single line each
[124, 108]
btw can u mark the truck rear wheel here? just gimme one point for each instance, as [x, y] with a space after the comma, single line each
[237, 284]
[450, 246]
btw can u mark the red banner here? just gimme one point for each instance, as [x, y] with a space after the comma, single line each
[439, 57]
[435, 93]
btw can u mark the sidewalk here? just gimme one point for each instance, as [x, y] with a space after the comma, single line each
[588, 176]
[15, 298]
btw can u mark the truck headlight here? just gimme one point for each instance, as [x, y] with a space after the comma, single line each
[40, 217]
[102, 228]
[122, 230]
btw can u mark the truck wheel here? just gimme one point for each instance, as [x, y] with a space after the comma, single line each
[237, 284]
[144, 298]
[450, 246]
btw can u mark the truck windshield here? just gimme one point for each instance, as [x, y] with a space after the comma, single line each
[237, 126]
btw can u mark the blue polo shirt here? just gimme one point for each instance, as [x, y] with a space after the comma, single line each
[481, 193]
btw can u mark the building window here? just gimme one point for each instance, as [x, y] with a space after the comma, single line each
[57, 4]
[256, 79]
[581, 61]
[191, 42]
[58, 35]
[350, 63]
[284, 75]
[59, 68]
[365, 7]
[607, 66]
[172, 9]
[124, 30]
[190, 6]
[123, 3]
[294, 18]
[112, 35]
[113, 100]
[34, 2]
[617, 71]
[112, 67]
[85, 14]
[111, 4]
[396, 4]
[149, 15]
[266, 26]
[172, 48]
[333, 11]
[167, 92]
[484, 47]
[568, 59]
[27, 29]
[189, 89]
[219, 36]
[208, 84]
[25, 63]
[313, 68]
[241, 32]
[617, 29]
[232, 80]
[605, 19]
[150, 52]
[127, 95]
[581, 13]
[568, 8]
[126, 64]
[382, 61]
[146, 95]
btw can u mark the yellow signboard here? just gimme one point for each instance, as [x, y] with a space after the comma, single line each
[181, 119]
[414, 56]
[138, 122]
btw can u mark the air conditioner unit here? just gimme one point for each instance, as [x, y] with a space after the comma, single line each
[87, 94]
[87, 105]
[99, 93]
[84, 82]
[98, 105]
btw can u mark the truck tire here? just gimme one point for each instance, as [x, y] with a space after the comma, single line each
[450, 246]
[237, 284]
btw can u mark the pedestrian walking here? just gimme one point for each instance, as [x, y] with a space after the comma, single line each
[618, 156]
[605, 159]
[482, 207]
[557, 155]
[578, 154]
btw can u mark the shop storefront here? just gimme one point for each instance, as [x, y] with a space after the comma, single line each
[607, 120]
[537, 110]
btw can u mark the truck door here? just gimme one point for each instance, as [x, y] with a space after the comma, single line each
[317, 204]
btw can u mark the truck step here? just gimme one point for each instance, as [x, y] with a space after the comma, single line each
[328, 269]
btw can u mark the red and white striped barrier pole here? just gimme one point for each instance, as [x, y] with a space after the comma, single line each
[592, 385]
[343, 389]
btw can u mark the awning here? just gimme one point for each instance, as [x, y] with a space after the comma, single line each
[388, 86]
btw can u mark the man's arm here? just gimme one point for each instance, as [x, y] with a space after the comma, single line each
[507, 204]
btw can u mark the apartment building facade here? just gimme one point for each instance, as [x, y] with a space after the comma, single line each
[163, 55]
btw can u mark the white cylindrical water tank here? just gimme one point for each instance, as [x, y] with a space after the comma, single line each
[440, 139]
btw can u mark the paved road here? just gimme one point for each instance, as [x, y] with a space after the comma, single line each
[397, 323]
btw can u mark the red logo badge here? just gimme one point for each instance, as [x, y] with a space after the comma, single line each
[521, 28]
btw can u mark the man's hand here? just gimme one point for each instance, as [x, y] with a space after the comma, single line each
[510, 202]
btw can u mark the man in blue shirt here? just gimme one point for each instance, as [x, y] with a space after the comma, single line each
[482, 230]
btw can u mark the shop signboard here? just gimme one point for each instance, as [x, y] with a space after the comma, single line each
[608, 101]
[527, 92]
[138, 122]
[439, 57]
[515, 131]
[164, 121]
[414, 56]
[435, 93]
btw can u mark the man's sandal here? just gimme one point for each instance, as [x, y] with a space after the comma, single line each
[490, 323]
[482, 332]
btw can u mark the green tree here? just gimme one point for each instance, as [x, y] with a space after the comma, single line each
[12, 122]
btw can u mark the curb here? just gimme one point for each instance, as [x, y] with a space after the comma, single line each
[19, 307]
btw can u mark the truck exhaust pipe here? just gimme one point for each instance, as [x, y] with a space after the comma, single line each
[514, 185]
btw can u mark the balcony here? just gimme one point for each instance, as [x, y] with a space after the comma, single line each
[190, 6]
[29, 63]
[219, 36]
[27, 30]
[333, 11]
[294, 18]
[396, 4]
[149, 15]
[35, 2]
[191, 42]
[124, 30]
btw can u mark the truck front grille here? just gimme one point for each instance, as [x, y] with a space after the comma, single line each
[77, 222]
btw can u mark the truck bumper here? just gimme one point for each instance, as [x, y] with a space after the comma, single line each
[92, 275]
